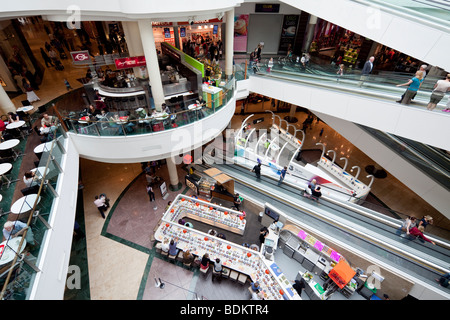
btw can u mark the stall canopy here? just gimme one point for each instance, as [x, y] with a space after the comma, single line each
[221, 178]
[341, 274]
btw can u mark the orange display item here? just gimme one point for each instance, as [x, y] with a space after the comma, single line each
[341, 274]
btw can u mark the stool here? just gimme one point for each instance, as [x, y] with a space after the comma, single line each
[132, 103]
[141, 102]
[187, 265]
[180, 256]
[117, 103]
[204, 271]
[164, 254]
[124, 102]
[158, 247]
[234, 275]
[242, 279]
[225, 273]
[172, 258]
[215, 274]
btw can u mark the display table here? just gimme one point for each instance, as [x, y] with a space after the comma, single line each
[8, 249]
[235, 257]
[24, 204]
[208, 213]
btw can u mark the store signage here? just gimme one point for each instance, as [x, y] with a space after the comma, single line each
[215, 20]
[166, 33]
[80, 56]
[288, 32]
[215, 29]
[267, 7]
[130, 62]
[167, 51]
[163, 189]
[161, 23]
[182, 32]
[191, 184]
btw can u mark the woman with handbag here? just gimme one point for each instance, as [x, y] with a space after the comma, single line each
[440, 89]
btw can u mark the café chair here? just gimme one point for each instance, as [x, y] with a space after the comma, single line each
[30, 190]
[158, 247]
[188, 265]
[180, 255]
[216, 274]
[172, 258]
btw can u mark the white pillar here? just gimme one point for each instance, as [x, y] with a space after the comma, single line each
[309, 33]
[6, 105]
[134, 43]
[229, 39]
[173, 175]
[151, 58]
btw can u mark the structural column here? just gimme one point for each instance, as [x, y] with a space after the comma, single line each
[151, 58]
[309, 33]
[134, 43]
[173, 175]
[6, 105]
[229, 48]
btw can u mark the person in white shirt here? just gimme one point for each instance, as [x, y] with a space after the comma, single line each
[102, 204]
[29, 179]
[440, 89]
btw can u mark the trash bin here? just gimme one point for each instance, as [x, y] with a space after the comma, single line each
[261, 214]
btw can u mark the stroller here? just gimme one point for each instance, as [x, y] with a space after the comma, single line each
[58, 65]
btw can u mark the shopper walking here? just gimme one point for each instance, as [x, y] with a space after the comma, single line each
[413, 85]
[443, 281]
[282, 175]
[68, 86]
[366, 71]
[102, 204]
[440, 89]
[150, 193]
[422, 68]
[257, 170]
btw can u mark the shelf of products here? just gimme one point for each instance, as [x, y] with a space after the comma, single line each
[207, 213]
[274, 285]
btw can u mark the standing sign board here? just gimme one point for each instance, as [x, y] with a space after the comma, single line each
[163, 190]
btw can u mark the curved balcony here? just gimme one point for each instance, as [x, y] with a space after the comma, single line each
[140, 135]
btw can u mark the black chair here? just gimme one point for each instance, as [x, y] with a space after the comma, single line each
[30, 190]
[132, 103]
[124, 102]
[42, 109]
[141, 102]
[26, 103]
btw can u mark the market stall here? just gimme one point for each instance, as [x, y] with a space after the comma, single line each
[224, 186]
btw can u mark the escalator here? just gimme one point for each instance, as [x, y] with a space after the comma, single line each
[346, 224]
[431, 161]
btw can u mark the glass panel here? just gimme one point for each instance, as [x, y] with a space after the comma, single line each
[21, 251]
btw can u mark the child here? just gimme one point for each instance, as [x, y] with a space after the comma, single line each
[67, 85]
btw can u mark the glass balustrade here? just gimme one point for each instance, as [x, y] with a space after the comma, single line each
[143, 121]
[21, 251]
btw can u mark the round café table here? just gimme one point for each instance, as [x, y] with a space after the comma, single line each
[46, 146]
[40, 172]
[15, 125]
[4, 168]
[25, 109]
[10, 144]
[24, 204]
[8, 249]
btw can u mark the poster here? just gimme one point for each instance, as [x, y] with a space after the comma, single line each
[183, 32]
[240, 32]
[288, 32]
[166, 33]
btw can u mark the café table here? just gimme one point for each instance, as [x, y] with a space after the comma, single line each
[9, 248]
[40, 172]
[84, 120]
[24, 204]
[10, 144]
[4, 168]
[46, 146]
[25, 109]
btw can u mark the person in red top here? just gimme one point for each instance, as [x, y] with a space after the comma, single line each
[418, 232]
[2, 126]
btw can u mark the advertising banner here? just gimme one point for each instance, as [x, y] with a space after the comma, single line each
[288, 32]
[130, 62]
[240, 32]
